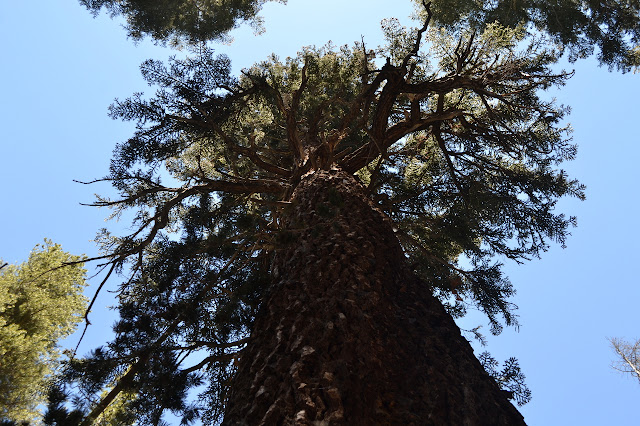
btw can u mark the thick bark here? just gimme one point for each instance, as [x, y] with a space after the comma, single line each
[349, 336]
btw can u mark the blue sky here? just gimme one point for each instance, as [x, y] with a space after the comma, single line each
[61, 69]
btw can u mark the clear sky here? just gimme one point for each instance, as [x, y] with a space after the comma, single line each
[61, 69]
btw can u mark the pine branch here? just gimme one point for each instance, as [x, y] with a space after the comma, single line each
[146, 354]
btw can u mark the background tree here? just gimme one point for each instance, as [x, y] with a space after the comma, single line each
[40, 303]
[579, 26]
[628, 356]
[456, 147]
[177, 21]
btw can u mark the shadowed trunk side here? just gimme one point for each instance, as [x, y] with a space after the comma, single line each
[348, 335]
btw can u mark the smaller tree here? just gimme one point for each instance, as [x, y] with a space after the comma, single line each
[628, 356]
[41, 302]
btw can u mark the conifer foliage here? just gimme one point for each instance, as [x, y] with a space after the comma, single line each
[607, 28]
[177, 21]
[455, 143]
[40, 304]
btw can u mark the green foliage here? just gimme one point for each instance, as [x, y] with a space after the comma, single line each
[578, 26]
[40, 303]
[613, 26]
[510, 378]
[183, 20]
[57, 413]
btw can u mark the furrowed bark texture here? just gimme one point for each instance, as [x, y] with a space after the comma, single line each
[349, 336]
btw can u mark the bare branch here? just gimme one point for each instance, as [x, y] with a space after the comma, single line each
[629, 354]
[416, 46]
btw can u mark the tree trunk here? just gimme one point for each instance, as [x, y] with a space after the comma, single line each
[349, 336]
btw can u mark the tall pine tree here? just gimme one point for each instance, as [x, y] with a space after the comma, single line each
[315, 208]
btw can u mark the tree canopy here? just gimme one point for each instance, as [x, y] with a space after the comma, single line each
[40, 304]
[607, 28]
[578, 26]
[178, 21]
[456, 143]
